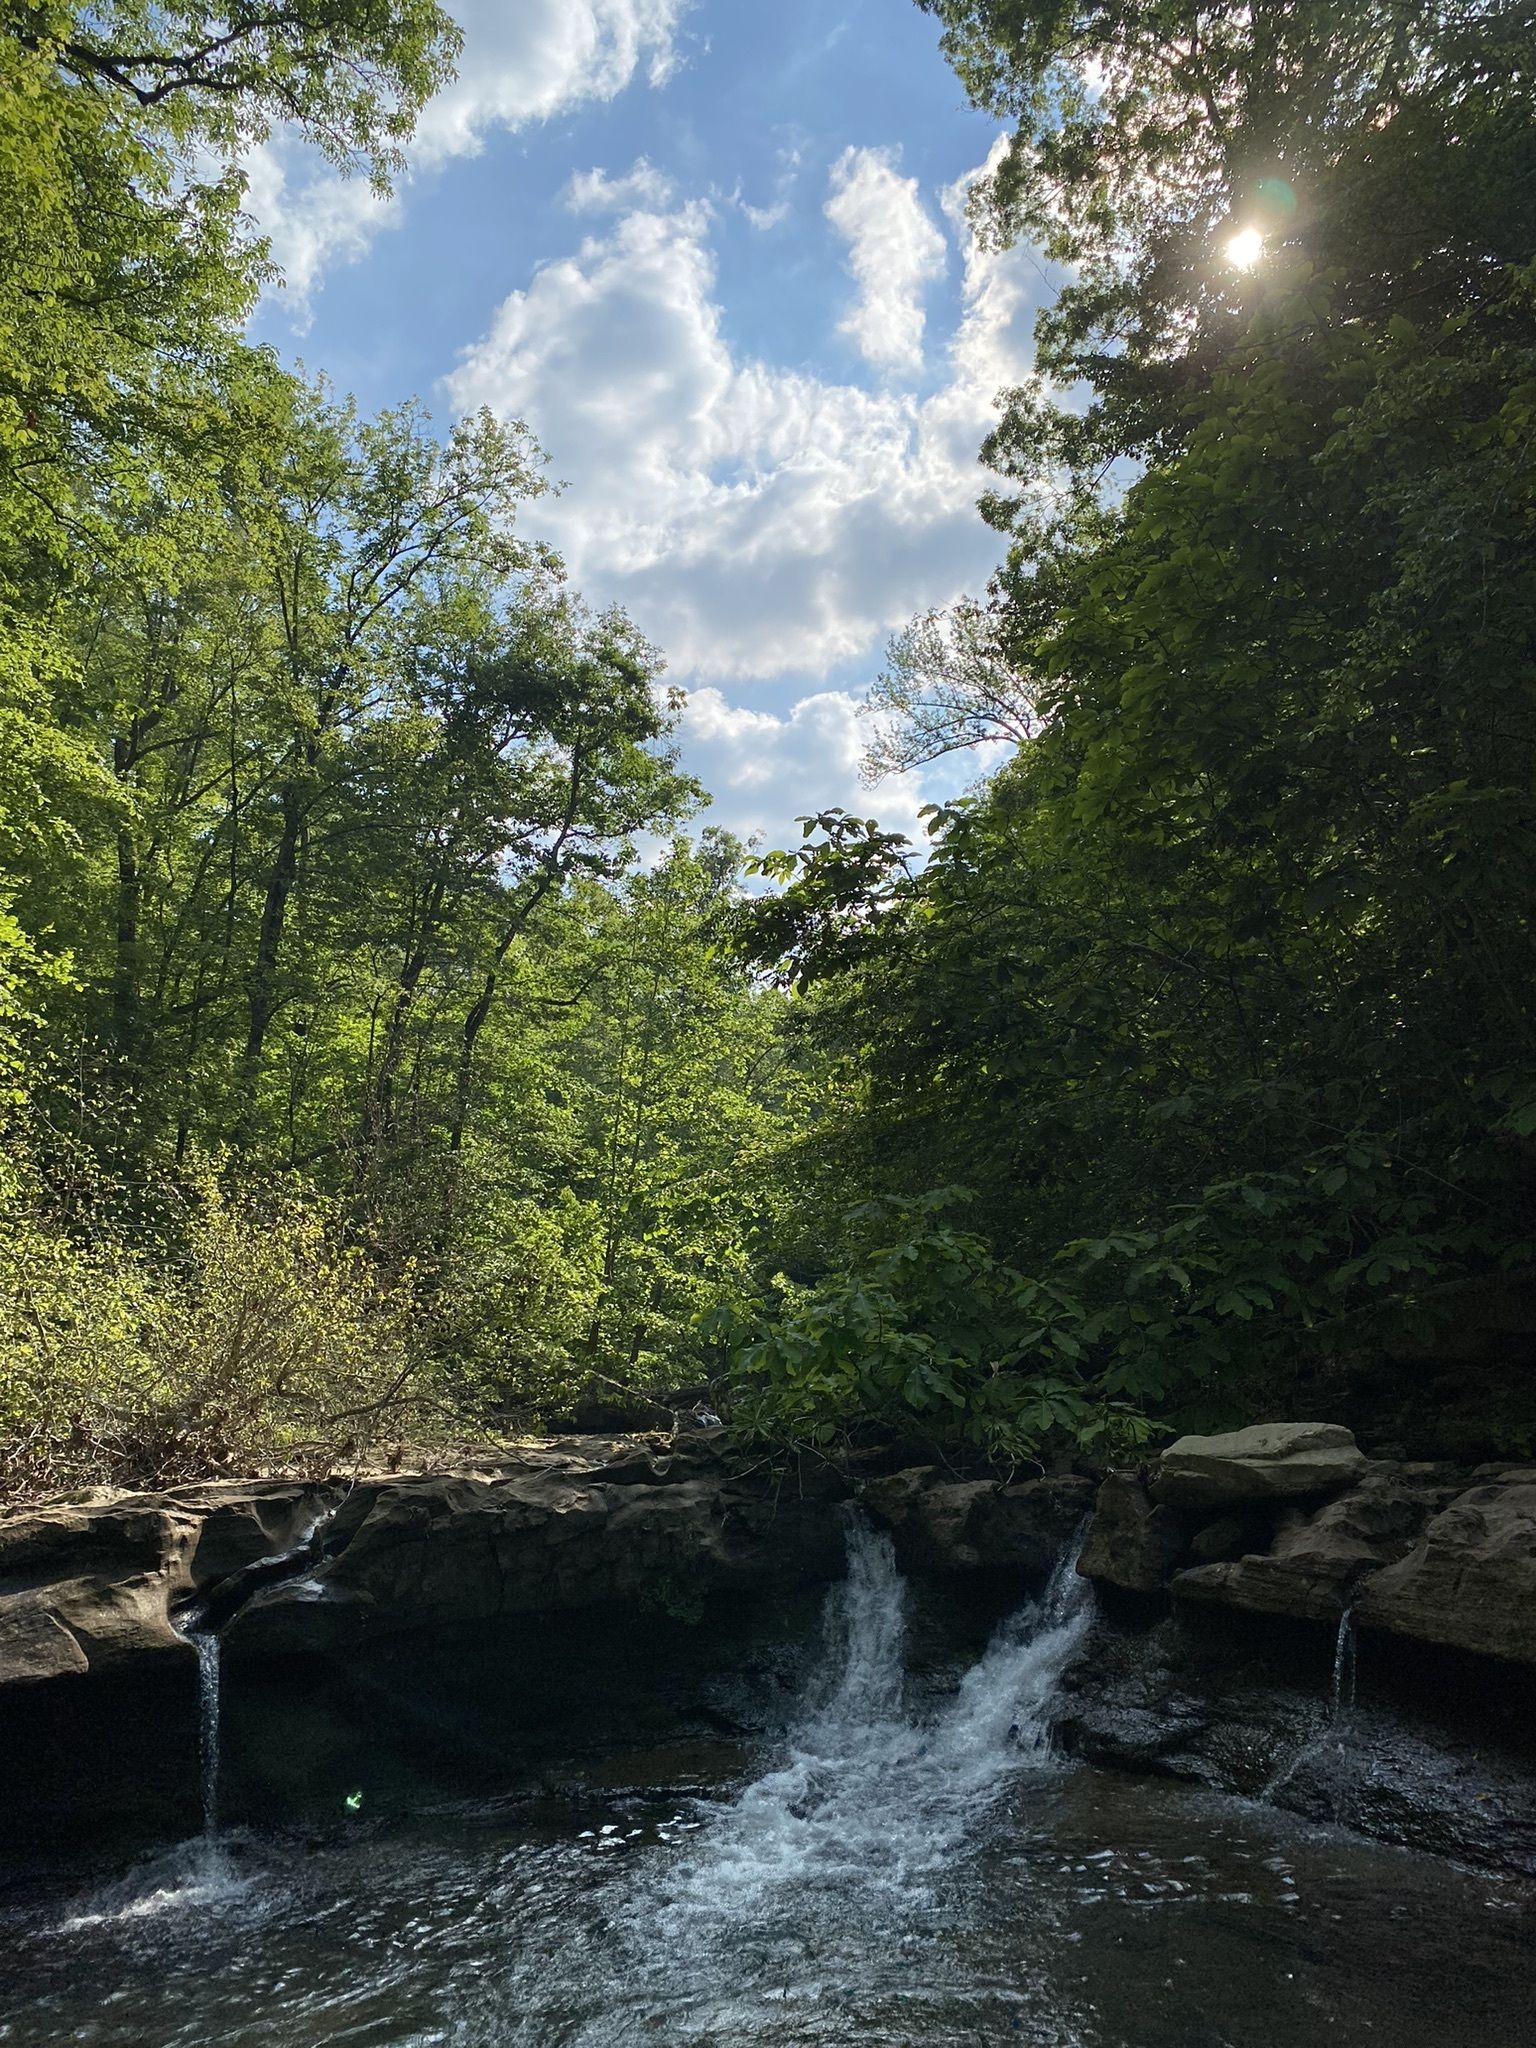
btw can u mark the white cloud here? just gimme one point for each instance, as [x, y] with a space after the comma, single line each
[765, 771]
[765, 217]
[758, 521]
[523, 61]
[595, 192]
[894, 252]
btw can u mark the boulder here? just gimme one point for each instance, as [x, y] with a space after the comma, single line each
[1132, 1542]
[1227, 1538]
[1273, 1461]
[939, 1524]
[1469, 1582]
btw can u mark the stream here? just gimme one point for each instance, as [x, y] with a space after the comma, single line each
[910, 1863]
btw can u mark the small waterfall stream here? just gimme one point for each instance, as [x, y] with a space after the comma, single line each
[202, 1622]
[868, 1813]
[208, 1675]
[1344, 1664]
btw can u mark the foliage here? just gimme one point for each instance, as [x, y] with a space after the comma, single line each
[396, 1087]
[921, 1330]
[267, 1340]
[1218, 994]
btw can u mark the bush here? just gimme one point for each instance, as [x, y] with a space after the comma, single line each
[260, 1338]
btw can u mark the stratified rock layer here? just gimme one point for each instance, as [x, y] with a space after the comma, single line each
[941, 1524]
[1410, 1549]
[1469, 1583]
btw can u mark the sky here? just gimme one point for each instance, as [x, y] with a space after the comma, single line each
[715, 255]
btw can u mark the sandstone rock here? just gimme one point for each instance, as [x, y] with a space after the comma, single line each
[1272, 1461]
[1469, 1582]
[90, 1588]
[940, 1524]
[1131, 1542]
[426, 1552]
[1303, 1589]
[242, 1521]
[1319, 1555]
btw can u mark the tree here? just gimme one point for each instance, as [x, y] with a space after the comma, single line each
[1218, 996]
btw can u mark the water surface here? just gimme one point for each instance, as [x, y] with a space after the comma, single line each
[902, 1868]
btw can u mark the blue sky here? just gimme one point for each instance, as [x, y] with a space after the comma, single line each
[715, 255]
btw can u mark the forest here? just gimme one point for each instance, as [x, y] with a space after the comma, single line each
[388, 1056]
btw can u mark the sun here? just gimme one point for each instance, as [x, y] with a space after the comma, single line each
[1245, 248]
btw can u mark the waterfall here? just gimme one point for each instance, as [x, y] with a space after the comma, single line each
[207, 1646]
[874, 1801]
[201, 1622]
[1344, 1664]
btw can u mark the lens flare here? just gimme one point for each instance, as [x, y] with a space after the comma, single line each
[1245, 248]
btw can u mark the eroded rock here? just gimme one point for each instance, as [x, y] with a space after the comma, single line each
[1469, 1582]
[939, 1524]
[88, 1588]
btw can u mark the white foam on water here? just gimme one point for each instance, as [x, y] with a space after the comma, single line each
[874, 1801]
[196, 1876]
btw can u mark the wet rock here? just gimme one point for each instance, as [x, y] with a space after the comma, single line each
[1469, 1582]
[1272, 1461]
[938, 1524]
[1379, 1774]
[1255, 1715]
[1132, 1542]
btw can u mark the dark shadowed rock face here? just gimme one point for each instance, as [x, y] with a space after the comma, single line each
[94, 1586]
[939, 1524]
[439, 1552]
[1132, 1543]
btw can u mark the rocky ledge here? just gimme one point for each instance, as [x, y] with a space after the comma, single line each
[1291, 1520]
[285, 1568]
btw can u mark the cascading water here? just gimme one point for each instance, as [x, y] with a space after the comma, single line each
[207, 1646]
[874, 1800]
[846, 1848]
[1344, 1664]
[912, 1868]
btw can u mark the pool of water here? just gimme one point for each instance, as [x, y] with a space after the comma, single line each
[906, 1865]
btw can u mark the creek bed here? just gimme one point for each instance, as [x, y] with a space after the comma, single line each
[906, 1862]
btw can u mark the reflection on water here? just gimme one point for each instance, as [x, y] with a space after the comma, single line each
[903, 1871]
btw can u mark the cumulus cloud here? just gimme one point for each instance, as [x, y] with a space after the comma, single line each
[759, 521]
[595, 192]
[520, 64]
[894, 252]
[765, 770]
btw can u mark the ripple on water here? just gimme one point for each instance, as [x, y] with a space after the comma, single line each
[897, 1874]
